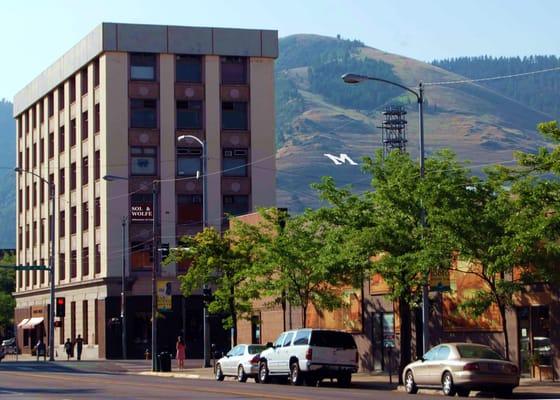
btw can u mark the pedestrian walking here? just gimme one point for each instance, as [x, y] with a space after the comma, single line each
[180, 356]
[68, 348]
[41, 350]
[79, 346]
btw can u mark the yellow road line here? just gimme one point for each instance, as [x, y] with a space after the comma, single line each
[54, 375]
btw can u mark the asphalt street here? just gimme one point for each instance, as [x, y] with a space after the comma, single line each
[31, 380]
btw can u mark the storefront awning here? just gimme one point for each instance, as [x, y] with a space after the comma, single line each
[32, 323]
[23, 322]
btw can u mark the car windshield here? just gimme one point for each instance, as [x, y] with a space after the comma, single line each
[256, 349]
[340, 340]
[468, 351]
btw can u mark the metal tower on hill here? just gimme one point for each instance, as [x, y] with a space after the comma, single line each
[393, 129]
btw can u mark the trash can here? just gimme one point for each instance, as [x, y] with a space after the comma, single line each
[164, 362]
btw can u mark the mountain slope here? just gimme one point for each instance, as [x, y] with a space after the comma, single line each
[478, 123]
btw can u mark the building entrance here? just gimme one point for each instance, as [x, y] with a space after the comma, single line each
[534, 337]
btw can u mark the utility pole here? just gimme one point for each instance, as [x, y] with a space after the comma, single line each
[123, 290]
[155, 254]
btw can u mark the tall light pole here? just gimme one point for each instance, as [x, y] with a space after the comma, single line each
[155, 256]
[355, 78]
[123, 289]
[51, 209]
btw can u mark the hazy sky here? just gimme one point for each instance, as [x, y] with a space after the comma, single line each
[34, 33]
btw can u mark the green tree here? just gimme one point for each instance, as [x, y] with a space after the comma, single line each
[224, 262]
[7, 286]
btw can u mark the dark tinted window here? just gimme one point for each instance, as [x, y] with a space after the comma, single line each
[234, 115]
[235, 162]
[236, 205]
[302, 338]
[143, 113]
[340, 340]
[470, 351]
[143, 67]
[188, 69]
[234, 70]
[253, 349]
[189, 114]
[288, 339]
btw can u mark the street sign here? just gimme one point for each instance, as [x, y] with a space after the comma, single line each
[439, 281]
[141, 213]
[164, 292]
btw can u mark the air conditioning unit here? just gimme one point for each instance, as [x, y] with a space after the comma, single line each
[228, 153]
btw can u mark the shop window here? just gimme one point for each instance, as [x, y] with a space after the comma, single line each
[236, 205]
[188, 68]
[234, 115]
[85, 321]
[142, 67]
[143, 113]
[235, 162]
[141, 256]
[234, 70]
[189, 161]
[143, 160]
[189, 114]
[189, 209]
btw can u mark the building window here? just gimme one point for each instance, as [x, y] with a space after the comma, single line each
[42, 273]
[51, 145]
[189, 114]
[72, 88]
[85, 125]
[234, 115]
[97, 166]
[61, 181]
[40, 110]
[73, 264]
[97, 212]
[143, 160]
[234, 70]
[189, 209]
[27, 166]
[85, 216]
[34, 155]
[61, 267]
[20, 238]
[42, 231]
[73, 219]
[41, 150]
[97, 259]
[34, 232]
[188, 68]
[27, 197]
[85, 170]
[50, 104]
[20, 159]
[72, 132]
[20, 279]
[143, 113]
[73, 176]
[61, 141]
[139, 204]
[96, 72]
[61, 223]
[189, 161]
[27, 236]
[142, 67]
[34, 194]
[20, 200]
[85, 261]
[235, 162]
[236, 205]
[61, 97]
[84, 79]
[141, 256]
[97, 118]
[41, 192]
[95, 321]
[85, 320]
[72, 321]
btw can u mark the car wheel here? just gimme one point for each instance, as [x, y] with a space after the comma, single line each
[463, 392]
[219, 373]
[263, 372]
[344, 379]
[409, 384]
[241, 375]
[295, 374]
[447, 385]
[506, 392]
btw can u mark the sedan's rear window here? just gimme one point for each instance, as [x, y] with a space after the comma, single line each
[467, 351]
[339, 340]
[254, 349]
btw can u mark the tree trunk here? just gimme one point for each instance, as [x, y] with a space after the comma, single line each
[504, 328]
[233, 314]
[304, 316]
[406, 336]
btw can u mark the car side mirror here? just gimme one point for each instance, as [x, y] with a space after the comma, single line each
[269, 344]
[422, 359]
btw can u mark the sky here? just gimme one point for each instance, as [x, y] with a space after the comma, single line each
[34, 33]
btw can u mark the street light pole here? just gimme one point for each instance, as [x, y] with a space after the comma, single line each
[355, 78]
[205, 324]
[51, 209]
[123, 290]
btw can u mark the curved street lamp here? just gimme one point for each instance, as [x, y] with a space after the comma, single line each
[50, 210]
[356, 78]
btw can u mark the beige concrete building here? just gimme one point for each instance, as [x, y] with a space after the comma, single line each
[115, 104]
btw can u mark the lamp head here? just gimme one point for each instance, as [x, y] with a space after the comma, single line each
[353, 78]
[17, 169]
[111, 178]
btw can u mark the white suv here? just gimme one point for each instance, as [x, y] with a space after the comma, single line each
[310, 355]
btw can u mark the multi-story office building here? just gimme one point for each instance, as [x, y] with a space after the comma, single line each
[116, 104]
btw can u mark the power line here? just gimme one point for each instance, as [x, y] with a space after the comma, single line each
[492, 78]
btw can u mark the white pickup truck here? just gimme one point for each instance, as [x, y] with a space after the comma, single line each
[310, 355]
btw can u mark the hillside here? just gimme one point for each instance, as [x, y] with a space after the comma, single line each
[478, 123]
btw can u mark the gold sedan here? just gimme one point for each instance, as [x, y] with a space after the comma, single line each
[458, 368]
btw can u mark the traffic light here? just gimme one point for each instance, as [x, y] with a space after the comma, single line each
[164, 249]
[206, 295]
[60, 307]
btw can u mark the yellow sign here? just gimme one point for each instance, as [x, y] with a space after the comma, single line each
[164, 295]
[440, 280]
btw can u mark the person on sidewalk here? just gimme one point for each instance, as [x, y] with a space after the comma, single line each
[41, 350]
[68, 348]
[79, 346]
[180, 356]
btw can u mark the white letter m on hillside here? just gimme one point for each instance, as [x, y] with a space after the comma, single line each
[340, 160]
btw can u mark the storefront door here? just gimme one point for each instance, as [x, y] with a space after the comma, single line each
[534, 337]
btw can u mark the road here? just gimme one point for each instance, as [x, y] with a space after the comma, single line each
[30, 380]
